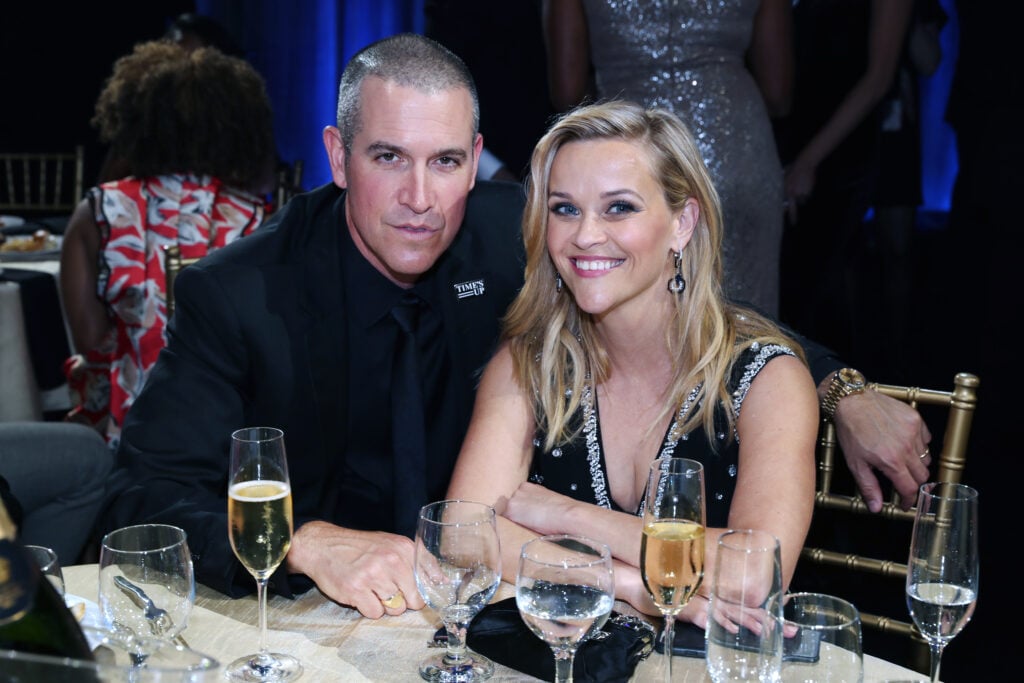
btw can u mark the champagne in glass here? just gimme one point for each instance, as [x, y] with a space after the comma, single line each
[458, 569]
[672, 548]
[260, 519]
[942, 576]
[565, 591]
[260, 530]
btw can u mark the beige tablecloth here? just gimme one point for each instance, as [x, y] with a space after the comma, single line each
[335, 643]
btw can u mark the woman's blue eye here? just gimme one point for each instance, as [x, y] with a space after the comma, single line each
[621, 207]
[564, 209]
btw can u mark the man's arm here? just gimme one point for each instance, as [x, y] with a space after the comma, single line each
[172, 459]
[227, 366]
[876, 433]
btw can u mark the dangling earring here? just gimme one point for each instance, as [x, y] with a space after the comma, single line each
[677, 285]
[558, 282]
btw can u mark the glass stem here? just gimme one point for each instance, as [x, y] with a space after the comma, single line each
[563, 665]
[456, 649]
[667, 641]
[261, 598]
[936, 661]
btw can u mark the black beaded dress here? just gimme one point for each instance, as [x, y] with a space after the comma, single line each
[578, 470]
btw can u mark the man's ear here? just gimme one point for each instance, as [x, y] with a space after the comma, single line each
[686, 223]
[335, 155]
[478, 149]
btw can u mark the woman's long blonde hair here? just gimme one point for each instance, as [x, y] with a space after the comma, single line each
[553, 344]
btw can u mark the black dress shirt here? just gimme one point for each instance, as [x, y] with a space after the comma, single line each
[366, 495]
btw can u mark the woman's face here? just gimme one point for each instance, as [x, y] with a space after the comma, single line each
[610, 230]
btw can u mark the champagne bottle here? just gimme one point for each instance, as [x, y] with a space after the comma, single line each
[33, 616]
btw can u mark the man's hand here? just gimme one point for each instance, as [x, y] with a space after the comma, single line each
[357, 568]
[880, 433]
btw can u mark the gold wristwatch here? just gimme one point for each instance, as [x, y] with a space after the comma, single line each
[845, 382]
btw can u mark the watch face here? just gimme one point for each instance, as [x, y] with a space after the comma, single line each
[852, 377]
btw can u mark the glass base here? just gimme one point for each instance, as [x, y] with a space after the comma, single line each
[268, 666]
[469, 668]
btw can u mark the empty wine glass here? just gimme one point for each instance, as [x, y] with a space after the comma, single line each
[49, 565]
[458, 569]
[565, 591]
[826, 631]
[146, 585]
[672, 548]
[260, 531]
[744, 629]
[942, 573]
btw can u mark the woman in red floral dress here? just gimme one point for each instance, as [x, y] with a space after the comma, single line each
[193, 130]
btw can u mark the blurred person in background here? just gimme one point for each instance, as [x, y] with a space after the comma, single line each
[195, 130]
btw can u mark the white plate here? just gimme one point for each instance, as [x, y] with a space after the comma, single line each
[11, 221]
[51, 252]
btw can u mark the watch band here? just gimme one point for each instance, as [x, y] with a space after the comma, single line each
[845, 382]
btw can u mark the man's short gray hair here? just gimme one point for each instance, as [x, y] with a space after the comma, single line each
[408, 59]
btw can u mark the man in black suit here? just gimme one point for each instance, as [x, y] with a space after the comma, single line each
[291, 328]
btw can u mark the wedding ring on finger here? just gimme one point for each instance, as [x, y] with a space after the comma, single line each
[394, 601]
[927, 452]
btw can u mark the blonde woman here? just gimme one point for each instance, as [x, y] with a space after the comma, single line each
[620, 348]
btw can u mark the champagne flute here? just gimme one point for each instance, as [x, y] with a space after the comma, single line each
[146, 586]
[565, 591]
[672, 548]
[260, 530]
[942, 576]
[458, 569]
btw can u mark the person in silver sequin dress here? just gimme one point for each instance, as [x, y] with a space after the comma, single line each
[690, 56]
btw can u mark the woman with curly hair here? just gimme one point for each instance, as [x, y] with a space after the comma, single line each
[193, 132]
[620, 349]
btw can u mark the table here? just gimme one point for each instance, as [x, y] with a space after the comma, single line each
[43, 329]
[335, 643]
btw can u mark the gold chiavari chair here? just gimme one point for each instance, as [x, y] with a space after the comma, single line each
[832, 507]
[173, 263]
[41, 182]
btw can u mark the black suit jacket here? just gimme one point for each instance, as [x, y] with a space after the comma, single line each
[258, 339]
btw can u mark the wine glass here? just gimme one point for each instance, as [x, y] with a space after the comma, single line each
[260, 530]
[826, 644]
[942, 573]
[146, 586]
[672, 548]
[458, 569]
[744, 629]
[49, 565]
[565, 591]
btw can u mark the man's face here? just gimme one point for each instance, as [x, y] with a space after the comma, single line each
[412, 164]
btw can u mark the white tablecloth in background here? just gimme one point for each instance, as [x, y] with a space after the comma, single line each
[20, 396]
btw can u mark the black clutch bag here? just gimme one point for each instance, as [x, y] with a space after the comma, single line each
[608, 656]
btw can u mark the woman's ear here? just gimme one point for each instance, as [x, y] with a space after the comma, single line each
[686, 223]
